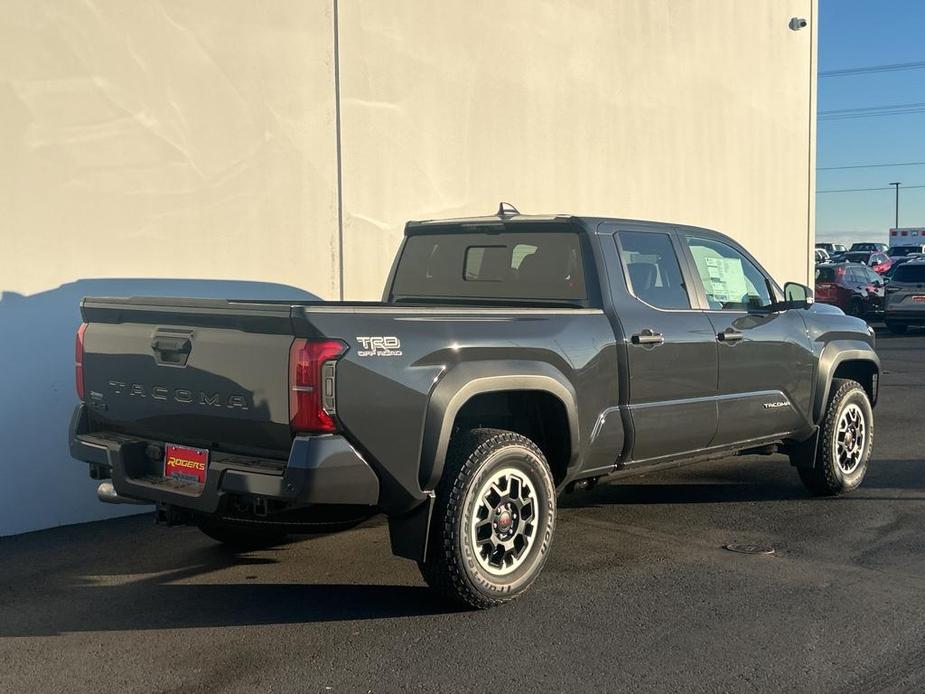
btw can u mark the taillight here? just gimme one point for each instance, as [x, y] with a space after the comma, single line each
[79, 360]
[312, 404]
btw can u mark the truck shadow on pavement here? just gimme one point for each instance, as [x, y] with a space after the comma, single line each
[745, 480]
[126, 575]
[145, 578]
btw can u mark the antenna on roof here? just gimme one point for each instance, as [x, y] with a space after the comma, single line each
[506, 209]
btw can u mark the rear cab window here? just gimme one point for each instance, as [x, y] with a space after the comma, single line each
[541, 265]
[652, 270]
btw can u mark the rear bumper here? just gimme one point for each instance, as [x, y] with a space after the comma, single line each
[914, 316]
[320, 470]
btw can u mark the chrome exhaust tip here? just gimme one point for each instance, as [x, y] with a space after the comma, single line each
[107, 494]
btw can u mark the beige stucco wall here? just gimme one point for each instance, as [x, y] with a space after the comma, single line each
[694, 111]
[167, 139]
[200, 140]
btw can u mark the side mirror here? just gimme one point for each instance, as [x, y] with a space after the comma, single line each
[797, 295]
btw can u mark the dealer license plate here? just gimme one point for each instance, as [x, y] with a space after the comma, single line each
[186, 464]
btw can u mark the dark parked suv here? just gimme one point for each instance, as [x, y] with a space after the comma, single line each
[855, 289]
[905, 297]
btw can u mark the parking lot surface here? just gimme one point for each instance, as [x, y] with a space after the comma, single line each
[638, 594]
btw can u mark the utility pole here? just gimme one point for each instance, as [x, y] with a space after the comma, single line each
[897, 184]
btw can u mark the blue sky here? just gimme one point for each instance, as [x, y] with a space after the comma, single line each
[861, 33]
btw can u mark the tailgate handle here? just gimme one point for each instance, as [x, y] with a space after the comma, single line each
[173, 350]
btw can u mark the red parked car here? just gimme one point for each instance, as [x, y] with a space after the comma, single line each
[856, 289]
[875, 260]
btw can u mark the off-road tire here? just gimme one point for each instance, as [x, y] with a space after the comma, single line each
[243, 538]
[897, 328]
[827, 477]
[452, 566]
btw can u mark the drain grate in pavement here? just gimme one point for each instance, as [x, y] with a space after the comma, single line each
[750, 549]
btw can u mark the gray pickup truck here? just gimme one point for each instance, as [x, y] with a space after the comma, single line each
[512, 358]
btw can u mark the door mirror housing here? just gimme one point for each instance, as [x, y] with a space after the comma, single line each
[797, 295]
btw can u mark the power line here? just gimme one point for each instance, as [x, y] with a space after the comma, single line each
[869, 166]
[861, 190]
[872, 111]
[892, 67]
[837, 111]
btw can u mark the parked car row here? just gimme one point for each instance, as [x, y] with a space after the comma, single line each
[865, 289]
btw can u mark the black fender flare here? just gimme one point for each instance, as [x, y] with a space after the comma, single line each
[463, 382]
[834, 354]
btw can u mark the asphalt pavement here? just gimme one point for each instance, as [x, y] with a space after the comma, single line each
[639, 593]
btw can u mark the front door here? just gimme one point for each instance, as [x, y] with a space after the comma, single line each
[670, 346]
[765, 360]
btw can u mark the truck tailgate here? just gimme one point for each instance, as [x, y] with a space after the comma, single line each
[213, 374]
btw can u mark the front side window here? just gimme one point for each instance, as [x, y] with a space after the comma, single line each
[652, 269]
[730, 280]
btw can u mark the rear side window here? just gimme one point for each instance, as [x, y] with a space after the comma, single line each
[909, 273]
[652, 269]
[825, 274]
[524, 266]
[855, 275]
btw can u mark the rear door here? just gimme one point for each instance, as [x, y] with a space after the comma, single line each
[873, 290]
[671, 350]
[765, 361]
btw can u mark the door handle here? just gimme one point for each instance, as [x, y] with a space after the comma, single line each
[729, 335]
[648, 337]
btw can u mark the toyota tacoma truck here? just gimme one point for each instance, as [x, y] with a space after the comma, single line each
[512, 358]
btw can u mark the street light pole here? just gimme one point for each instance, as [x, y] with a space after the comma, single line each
[897, 184]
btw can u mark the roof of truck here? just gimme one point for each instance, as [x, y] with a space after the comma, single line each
[589, 222]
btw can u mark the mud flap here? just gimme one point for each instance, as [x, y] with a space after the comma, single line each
[803, 454]
[408, 533]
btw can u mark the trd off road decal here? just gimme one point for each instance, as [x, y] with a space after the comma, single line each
[380, 346]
